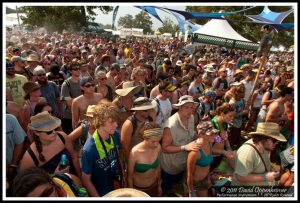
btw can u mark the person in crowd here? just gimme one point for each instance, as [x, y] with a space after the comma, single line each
[198, 162]
[150, 78]
[114, 71]
[281, 78]
[36, 182]
[253, 165]
[19, 64]
[81, 103]
[70, 89]
[138, 75]
[101, 168]
[131, 128]
[162, 102]
[220, 84]
[248, 84]
[105, 64]
[32, 63]
[48, 146]
[143, 164]
[197, 87]
[56, 76]
[162, 79]
[42, 106]
[124, 100]
[15, 83]
[121, 77]
[178, 139]
[182, 89]
[239, 105]
[206, 109]
[102, 86]
[49, 90]
[276, 110]
[33, 97]
[221, 146]
[15, 144]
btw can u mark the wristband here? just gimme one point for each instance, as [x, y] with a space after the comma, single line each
[265, 177]
[182, 148]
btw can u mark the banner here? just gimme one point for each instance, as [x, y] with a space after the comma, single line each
[114, 17]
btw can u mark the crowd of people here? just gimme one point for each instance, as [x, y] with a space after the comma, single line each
[149, 114]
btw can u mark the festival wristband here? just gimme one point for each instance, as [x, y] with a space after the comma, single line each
[182, 148]
[265, 177]
[13, 166]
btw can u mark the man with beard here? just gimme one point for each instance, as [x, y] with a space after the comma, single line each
[49, 90]
[253, 165]
[19, 64]
[15, 83]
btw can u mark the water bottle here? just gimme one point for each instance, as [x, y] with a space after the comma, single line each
[63, 162]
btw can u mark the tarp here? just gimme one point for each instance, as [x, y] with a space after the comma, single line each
[151, 10]
[220, 28]
[183, 23]
[200, 15]
[219, 32]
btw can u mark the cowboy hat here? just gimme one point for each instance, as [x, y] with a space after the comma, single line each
[128, 87]
[44, 122]
[30, 86]
[269, 129]
[33, 57]
[126, 192]
[142, 104]
[185, 99]
[90, 111]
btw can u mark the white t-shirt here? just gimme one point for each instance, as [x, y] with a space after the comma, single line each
[164, 111]
[248, 89]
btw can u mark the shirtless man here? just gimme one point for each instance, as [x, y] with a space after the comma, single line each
[81, 103]
[276, 109]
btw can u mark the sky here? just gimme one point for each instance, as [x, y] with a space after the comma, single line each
[124, 9]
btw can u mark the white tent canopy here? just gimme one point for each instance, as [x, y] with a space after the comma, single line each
[220, 28]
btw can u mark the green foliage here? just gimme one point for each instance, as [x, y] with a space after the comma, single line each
[142, 21]
[58, 18]
[245, 27]
[10, 10]
[169, 26]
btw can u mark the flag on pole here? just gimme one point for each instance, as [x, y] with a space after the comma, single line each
[114, 17]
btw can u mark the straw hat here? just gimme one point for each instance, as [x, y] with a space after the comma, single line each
[44, 122]
[238, 71]
[185, 99]
[289, 68]
[30, 86]
[142, 104]
[269, 129]
[33, 57]
[126, 192]
[105, 57]
[90, 111]
[209, 68]
[127, 87]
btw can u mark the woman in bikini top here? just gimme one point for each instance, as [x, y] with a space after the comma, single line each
[143, 164]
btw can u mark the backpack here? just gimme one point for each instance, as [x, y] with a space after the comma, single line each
[69, 186]
[82, 139]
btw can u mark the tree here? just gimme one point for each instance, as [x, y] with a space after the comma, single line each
[142, 20]
[126, 21]
[245, 27]
[107, 26]
[10, 10]
[169, 26]
[58, 18]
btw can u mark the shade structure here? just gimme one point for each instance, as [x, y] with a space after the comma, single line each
[219, 32]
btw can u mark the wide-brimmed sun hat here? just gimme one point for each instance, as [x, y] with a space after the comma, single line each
[30, 86]
[269, 129]
[44, 122]
[128, 87]
[142, 104]
[185, 99]
[33, 57]
[126, 192]
[209, 68]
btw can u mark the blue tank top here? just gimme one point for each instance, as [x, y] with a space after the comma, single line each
[205, 160]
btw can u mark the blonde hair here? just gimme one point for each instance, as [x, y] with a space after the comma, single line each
[135, 71]
[103, 111]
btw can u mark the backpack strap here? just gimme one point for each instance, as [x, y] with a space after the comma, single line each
[35, 160]
[134, 122]
[158, 105]
[69, 87]
[61, 138]
[266, 169]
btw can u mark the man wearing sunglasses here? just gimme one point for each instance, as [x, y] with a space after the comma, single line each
[81, 103]
[70, 89]
[49, 90]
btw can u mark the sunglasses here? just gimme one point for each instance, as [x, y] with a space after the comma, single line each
[50, 132]
[275, 141]
[89, 85]
[102, 79]
[39, 75]
[77, 68]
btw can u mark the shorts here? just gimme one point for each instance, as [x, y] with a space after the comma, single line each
[201, 184]
[152, 190]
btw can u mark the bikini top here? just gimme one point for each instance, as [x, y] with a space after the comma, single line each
[142, 168]
[205, 160]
